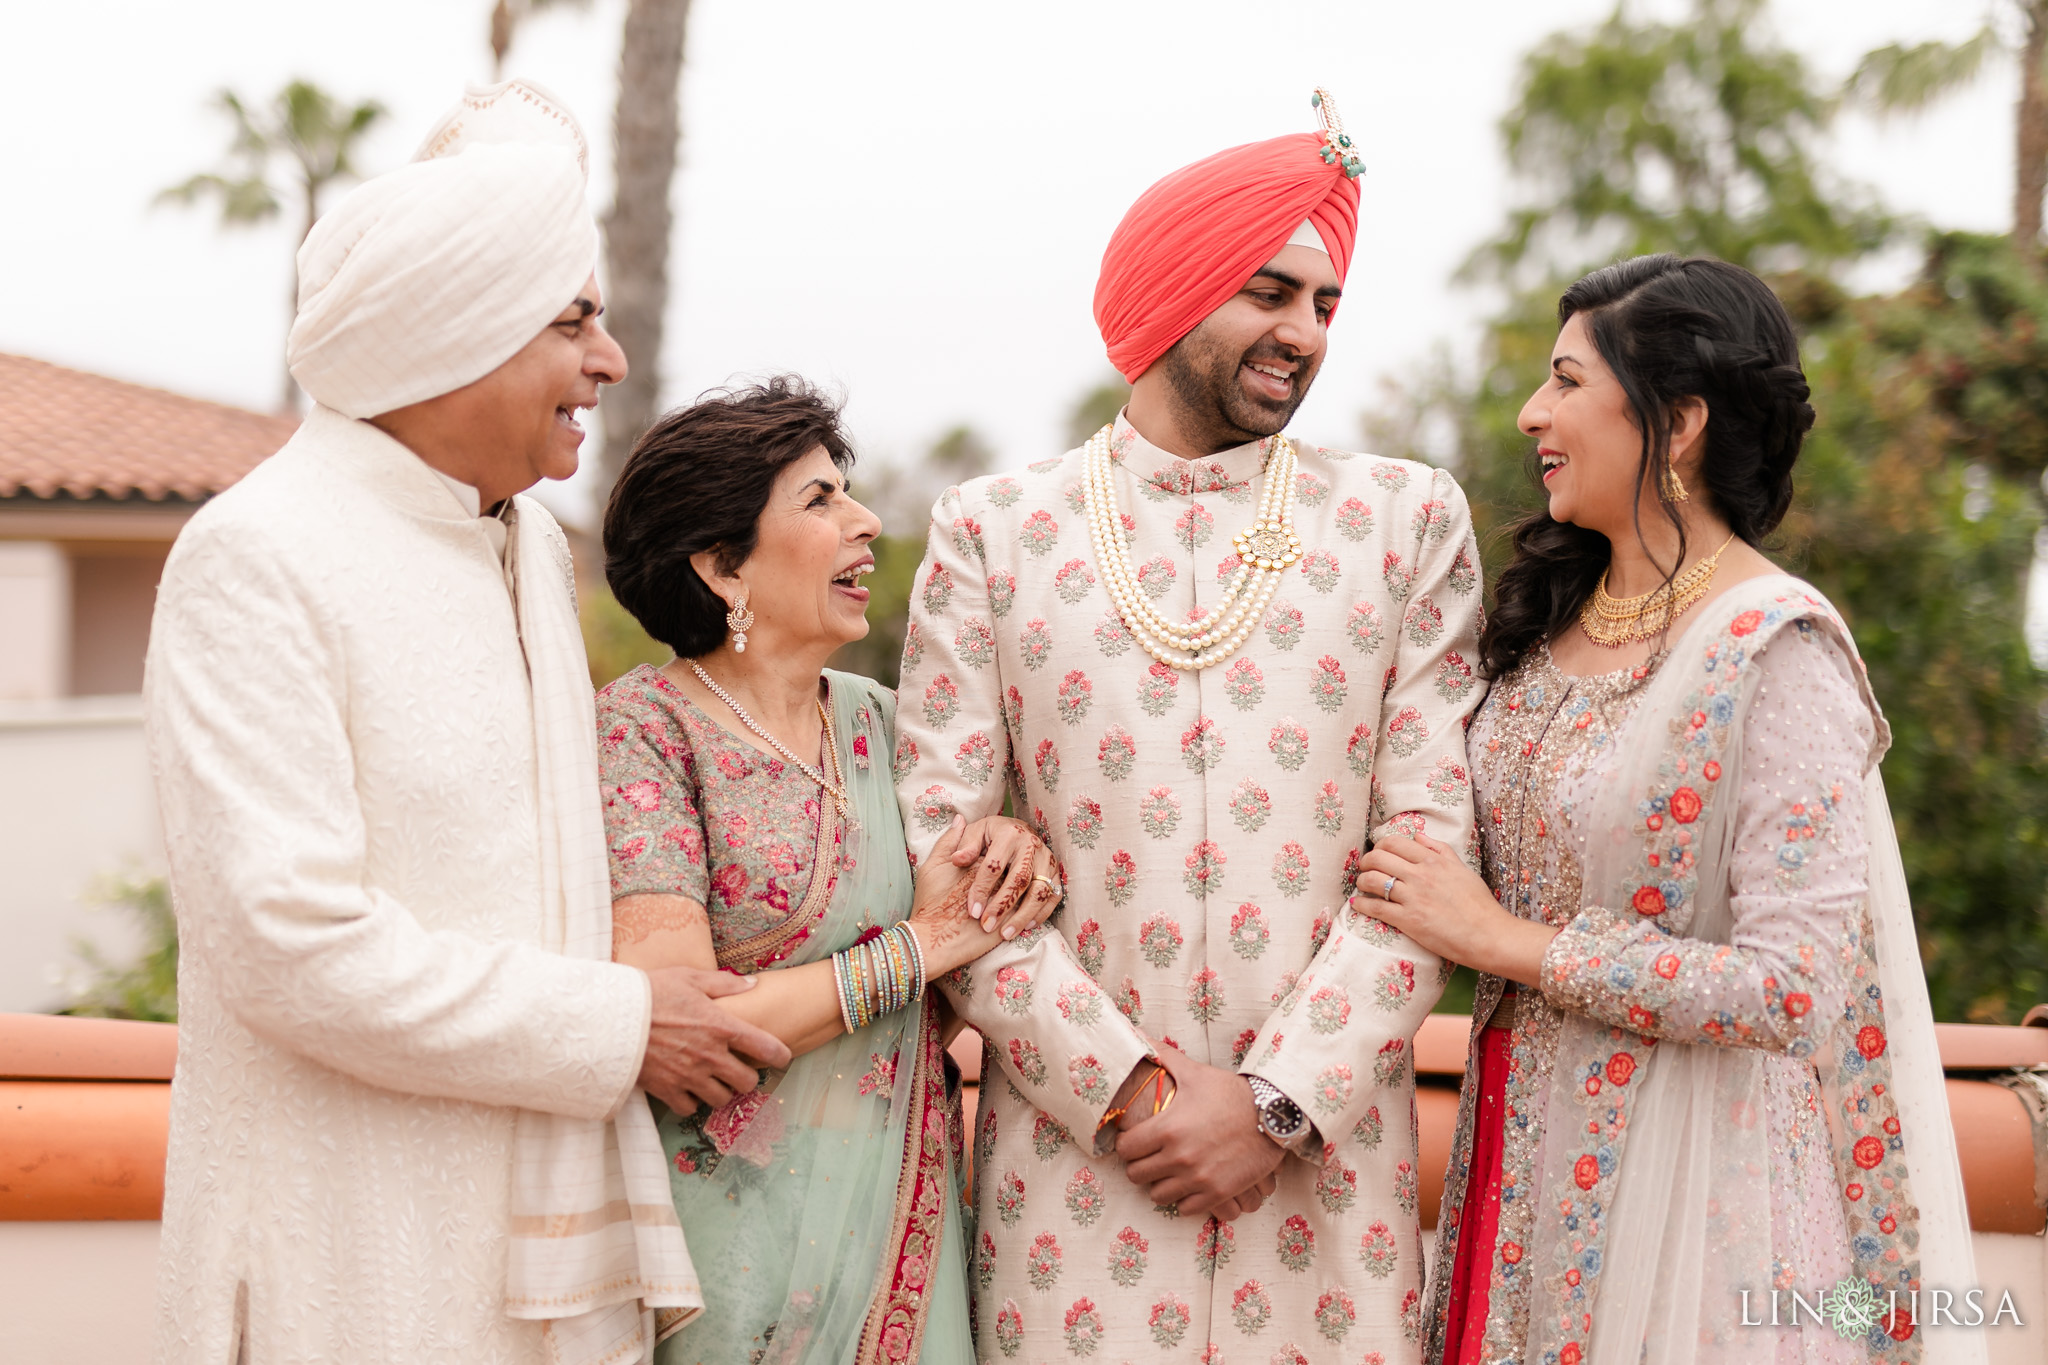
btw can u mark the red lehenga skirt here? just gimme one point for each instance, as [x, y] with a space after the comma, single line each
[1472, 1271]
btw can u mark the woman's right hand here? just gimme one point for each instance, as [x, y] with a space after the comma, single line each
[950, 935]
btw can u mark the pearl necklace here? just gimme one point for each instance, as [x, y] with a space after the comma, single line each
[1265, 551]
[835, 790]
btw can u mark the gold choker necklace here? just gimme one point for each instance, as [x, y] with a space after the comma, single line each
[1611, 622]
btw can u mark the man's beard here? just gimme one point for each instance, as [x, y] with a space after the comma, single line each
[1203, 375]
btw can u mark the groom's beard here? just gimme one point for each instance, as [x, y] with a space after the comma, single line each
[1203, 374]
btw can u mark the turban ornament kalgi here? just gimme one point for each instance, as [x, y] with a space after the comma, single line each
[1194, 238]
[428, 278]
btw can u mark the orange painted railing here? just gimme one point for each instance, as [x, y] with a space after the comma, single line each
[85, 1113]
[85, 1116]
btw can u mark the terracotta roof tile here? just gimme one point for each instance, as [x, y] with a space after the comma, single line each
[64, 431]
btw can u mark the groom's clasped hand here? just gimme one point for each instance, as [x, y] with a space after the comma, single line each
[1203, 1153]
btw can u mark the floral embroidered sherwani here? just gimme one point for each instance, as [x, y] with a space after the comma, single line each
[1209, 824]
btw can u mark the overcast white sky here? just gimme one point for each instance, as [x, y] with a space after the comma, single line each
[905, 200]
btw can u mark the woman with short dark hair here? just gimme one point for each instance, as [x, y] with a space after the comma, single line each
[1684, 1083]
[753, 825]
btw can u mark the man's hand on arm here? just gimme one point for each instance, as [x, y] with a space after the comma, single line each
[697, 1052]
[1205, 1152]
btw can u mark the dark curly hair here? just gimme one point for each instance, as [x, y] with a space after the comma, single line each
[698, 479]
[1670, 328]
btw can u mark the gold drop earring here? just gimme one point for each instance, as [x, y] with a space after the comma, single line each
[739, 621]
[1672, 488]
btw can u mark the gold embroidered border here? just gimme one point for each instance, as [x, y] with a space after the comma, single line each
[894, 1331]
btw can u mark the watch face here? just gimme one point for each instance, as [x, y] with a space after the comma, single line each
[1282, 1118]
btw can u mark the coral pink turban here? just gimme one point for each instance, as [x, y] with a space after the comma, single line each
[1193, 239]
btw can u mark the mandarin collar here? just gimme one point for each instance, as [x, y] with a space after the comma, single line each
[1221, 472]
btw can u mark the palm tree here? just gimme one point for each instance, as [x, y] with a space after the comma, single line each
[317, 132]
[1906, 79]
[647, 134]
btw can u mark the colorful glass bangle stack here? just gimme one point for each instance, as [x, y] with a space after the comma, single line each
[878, 977]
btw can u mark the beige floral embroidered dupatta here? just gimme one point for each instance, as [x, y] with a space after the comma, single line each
[596, 1250]
[1654, 1205]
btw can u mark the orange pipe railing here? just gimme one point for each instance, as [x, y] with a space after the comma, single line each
[85, 1115]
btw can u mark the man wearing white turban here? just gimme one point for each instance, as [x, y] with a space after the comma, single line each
[407, 1123]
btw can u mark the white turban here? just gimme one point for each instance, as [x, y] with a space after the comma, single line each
[428, 278]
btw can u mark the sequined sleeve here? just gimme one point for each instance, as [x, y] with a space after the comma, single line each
[1797, 882]
[653, 810]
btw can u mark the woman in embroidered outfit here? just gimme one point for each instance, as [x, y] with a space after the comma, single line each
[1702, 1051]
[824, 1207]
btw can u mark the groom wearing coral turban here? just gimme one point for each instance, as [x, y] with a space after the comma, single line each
[1213, 665]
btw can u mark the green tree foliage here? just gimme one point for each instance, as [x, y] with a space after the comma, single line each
[613, 641]
[148, 989]
[1917, 515]
[1915, 511]
[902, 496]
[1695, 136]
[880, 655]
[1096, 409]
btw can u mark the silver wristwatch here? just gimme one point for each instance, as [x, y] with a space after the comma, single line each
[1280, 1118]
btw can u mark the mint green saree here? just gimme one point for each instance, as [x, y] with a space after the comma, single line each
[822, 1211]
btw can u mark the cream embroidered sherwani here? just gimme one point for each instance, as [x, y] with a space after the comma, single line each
[1209, 824]
[342, 728]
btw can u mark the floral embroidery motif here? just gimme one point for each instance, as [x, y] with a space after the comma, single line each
[1118, 877]
[1010, 1198]
[1248, 932]
[1335, 1314]
[1284, 626]
[938, 590]
[1201, 746]
[1168, 1320]
[1244, 684]
[1250, 806]
[1291, 869]
[1157, 690]
[1073, 581]
[1085, 1197]
[1112, 636]
[1205, 997]
[1024, 1057]
[1127, 1256]
[1042, 1262]
[1080, 1002]
[1297, 1246]
[1204, 869]
[1289, 745]
[1034, 644]
[1159, 939]
[881, 1076]
[1251, 1307]
[1075, 696]
[1337, 1186]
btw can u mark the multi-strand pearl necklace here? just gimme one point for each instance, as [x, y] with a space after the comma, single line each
[1265, 550]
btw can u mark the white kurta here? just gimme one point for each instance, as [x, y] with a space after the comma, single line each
[1208, 824]
[341, 725]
